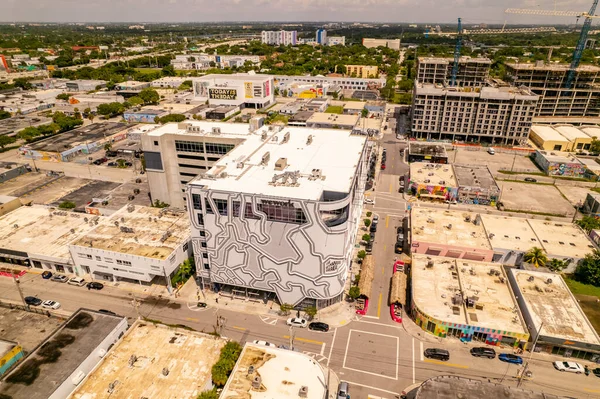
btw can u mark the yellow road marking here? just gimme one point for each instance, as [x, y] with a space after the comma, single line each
[239, 328]
[592, 390]
[382, 270]
[390, 188]
[387, 221]
[460, 366]
[310, 341]
[191, 319]
[384, 246]
[379, 305]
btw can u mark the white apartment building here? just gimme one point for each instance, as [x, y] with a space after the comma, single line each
[390, 43]
[175, 153]
[243, 90]
[169, 82]
[335, 40]
[500, 115]
[277, 216]
[342, 82]
[136, 243]
[282, 37]
[205, 61]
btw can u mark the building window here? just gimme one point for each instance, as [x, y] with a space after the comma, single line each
[98, 258]
[205, 255]
[206, 266]
[108, 260]
[155, 143]
[188, 146]
[202, 233]
[221, 205]
[185, 247]
[203, 244]
[123, 262]
[194, 157]
[277, 211]
[200, 219]
[335, 217]
[84, 256]
[209, 209]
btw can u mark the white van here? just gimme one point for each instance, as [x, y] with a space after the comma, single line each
[491, 151]
[77, 281]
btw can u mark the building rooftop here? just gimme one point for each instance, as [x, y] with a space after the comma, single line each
[548, 300]
[551, 67]
[434, 174]
[148, 111]
[590, 164]
[500, 93]
[437, 281]
[27, 328]
[355, 105]
[90, 133]
[307, 163]
[463, 59]
[418, 148]
[302, 117]
[43, 231]
[77, 339]
[187, 355]
[452, 387]
[559, 156]
[431, 225]
[592, 131]
[141, 231]
[564, 239]
[547, 133]
[333, 119]
[571, 133]
[282, 374]
[509, 233]
[477, 176]
[234, 76]
[204, 128]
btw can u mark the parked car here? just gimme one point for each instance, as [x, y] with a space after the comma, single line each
[318, 326]
[46, 275]
[435, 353]
[51, 304]
[510, 358]
[59, 278]
[596, 372]
[201, 304]
[375, 219]
[382, 166]
[78, 281]
[530, 179]
[571, 367]
[264, 343]
[296, 322]
[369, 247]
[483, 351]
[128, 164]
[373, 228]
[33, 301]
[92, 285]
[369, 201]
[343, 390]
[491, 151]
[111, 164]
[399, 247]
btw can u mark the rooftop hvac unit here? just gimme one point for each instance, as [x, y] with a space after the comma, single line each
[256, 382]
[77, 378]
[429, 263]
[303, 392]
[309, 140]
[240, 165]
[216, 130]
[265, 158]
[286, 138]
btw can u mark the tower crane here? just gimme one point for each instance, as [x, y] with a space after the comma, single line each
[588, 16]
[457, 48]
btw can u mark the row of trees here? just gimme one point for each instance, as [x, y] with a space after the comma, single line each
[60, 123]
[223, 367]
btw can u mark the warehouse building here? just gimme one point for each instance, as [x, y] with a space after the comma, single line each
[433, 181]
[548, 139]
[84, 85]
[374, 43]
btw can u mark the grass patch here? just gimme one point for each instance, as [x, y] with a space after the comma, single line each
[148, 70]
[578, 288]
[335, 109]
[595, 189]
[527, 182]
[508, 172]
[587, 295]
[535, 213]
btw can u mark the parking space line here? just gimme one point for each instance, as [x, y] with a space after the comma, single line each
[370, 387]
[191, 319]
[322, 349]
[310, 341]
[460, 366]
[421, 350]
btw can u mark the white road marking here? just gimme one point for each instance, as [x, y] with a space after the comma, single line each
[379, 324]
[413, 350]
[268, 320]
[322, 349]
[373, 388]
[371, 317]
[421, 350]
[331, 349]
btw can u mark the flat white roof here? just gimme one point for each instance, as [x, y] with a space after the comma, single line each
[143, 231]
[205, 128]
[333, 119]
[434, 288]
[282, 373]
[41, 230]
[431, 225]
[563, 239]
[547, 133]
[433, 174]
[355, 104]
[571, 133]
[509, 233]
[559, 156]
[591, 131]
[549, 301]
[336, 153]
[235, 76]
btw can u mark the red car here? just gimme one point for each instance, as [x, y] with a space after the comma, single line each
[382, 166]
[398, 266]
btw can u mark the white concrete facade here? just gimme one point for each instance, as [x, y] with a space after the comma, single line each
[282, 37]
[244, 90]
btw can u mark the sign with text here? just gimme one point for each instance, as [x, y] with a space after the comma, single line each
[222, 94]
[248, 90]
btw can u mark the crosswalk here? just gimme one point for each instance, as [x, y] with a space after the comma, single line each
[317, 356]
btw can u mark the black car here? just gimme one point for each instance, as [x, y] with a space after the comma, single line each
[33, 301]
[373, 228]
[92, 285]
[435, 353]
[483, 352]
[201, 304]
[369, 247]
[318, 326]
[110, 312]
[530, 180]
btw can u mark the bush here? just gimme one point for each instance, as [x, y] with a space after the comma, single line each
[361, 255]
[369, 214]
[367, 223]
[588, 270]
[354, 293]
[223, 367]
[212, 394]
[366, 237]
[67, 205]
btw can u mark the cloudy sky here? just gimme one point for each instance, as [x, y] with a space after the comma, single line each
[419, 11]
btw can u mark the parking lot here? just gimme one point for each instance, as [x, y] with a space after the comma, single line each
[540, 198]
[575, 195]
[500, 160]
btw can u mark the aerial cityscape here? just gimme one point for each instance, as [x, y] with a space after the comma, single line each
[322, 200]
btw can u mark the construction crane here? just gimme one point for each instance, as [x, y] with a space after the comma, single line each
[588, 16]
[457, 53]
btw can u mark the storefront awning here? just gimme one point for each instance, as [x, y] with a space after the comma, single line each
[366, 276]
[398, 291]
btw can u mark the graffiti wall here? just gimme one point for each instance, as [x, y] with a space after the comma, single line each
[432, 191]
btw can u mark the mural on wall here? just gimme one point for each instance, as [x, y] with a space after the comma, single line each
[443, 192]
[566, 169]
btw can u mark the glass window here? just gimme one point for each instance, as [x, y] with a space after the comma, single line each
[215, 148]
[200, 221]
[195, 157]
[335, 217]
[189, 146]
[282, 212]
[185, 247]
[197, 201]
[221, 206]
[209, 209]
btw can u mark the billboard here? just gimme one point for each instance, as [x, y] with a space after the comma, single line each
[267, 90]
[222, 94]
[248, 90]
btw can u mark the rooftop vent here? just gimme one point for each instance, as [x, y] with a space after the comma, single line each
[309, 140]
[256, 382]
[216, 130]
[316, 174]
[429, 263]
[286, 138]
[263, 135]
[281, 164]
[265, 158]
[303, 392]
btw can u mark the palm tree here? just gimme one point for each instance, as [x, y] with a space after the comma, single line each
[536, 257]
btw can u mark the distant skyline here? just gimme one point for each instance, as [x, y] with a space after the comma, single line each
[391, 11]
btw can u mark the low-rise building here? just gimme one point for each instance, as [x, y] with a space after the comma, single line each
[144, 116]
[317, 104]
[242, 90]
[469, 300]
[132, 85]
[548, 139]
[275, 373]
[555, 163]
[157, 368]
[591, 205]
[389, 43]
[8, 204]
[362, 71]
[578, 140]
[85, 85]
[476, 185]
[300, 119]
[169, 82]
[354, 107]
[555, 319]
[55, 368]
[433, 181]
[136, 243]
[222, 112]
[336, 40]
[10, 354]
[332, 121]
[427, 152]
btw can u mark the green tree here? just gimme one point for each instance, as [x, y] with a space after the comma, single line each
[168, 70]
[6, 140]
[63, 96]
[354, 293]
[66, 123]
[121, 163]
[367, 223]
[28, 134]
[369, 214]
[588, 270]
[149, 96]
[170, 118]
[111, 109]
[4, 114]
[536, 257]
[107, 146]
[212, 394]
[556, 265]
[160, 204]
[135, 101]
[185, 85]
[67, 205]
[311, 311]
[22, 83]
[364, 113]
[361, 254]
[595, 145]
[223, 367]
[588, 223]
[285, 308]
[366, 237]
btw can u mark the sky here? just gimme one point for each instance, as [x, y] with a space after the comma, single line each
[415, 11]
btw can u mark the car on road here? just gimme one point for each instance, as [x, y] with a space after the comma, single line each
[410, 391]
[51, 304]
[373, 228]
[46, 275]
[33, 301]
[398, 266]
[78, 281]
[382, 166]
[201, 304]
[571, 367]
[436, 353]
[343, 390]
[530, 179]
[510, 358]
[264, 343]
[296, 322]
[318, 326]
[92, 285]
[59, 278]
[482, 351]
[369, 247]
[369, 201]
[596, 372]
[111, 164]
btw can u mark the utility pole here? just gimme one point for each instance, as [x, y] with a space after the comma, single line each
[537, 336]
[291, 338]
[18, 284]
[136, 305]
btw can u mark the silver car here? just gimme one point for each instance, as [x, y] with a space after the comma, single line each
[343, 390]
